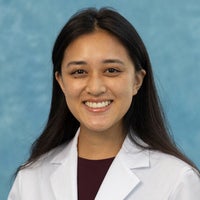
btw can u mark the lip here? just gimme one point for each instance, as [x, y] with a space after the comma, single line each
[98, 108]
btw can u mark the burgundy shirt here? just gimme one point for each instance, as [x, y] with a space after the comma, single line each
[90, 176]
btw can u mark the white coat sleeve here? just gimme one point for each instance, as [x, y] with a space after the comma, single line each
[187, 187]
[14, 193]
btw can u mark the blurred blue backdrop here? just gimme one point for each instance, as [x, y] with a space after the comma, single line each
[170, 30]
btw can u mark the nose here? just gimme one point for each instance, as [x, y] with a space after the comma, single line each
[95, 85]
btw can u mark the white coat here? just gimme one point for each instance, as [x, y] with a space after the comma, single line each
[135, 174]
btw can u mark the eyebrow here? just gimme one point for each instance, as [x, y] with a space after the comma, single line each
[76, 63]
[106, 61]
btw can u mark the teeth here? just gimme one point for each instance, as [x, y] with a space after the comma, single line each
[97, 105]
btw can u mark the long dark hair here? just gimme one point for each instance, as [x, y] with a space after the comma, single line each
[145, 116]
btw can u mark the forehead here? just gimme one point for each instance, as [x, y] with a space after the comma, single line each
[97, 33]
[98, 43]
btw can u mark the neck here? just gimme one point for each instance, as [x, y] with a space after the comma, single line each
[99, 145]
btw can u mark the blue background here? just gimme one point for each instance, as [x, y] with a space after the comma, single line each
[28, 28]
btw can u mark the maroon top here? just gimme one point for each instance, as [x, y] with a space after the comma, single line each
[90, 176]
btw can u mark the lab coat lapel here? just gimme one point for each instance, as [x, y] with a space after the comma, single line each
[120, 179]
[63, 179]
[118, 183]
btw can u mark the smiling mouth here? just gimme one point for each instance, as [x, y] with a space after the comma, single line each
[98, 104]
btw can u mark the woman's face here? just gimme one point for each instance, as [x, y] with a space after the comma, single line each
[98, 80]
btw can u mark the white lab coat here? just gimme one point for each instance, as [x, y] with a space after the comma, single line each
[135, 174]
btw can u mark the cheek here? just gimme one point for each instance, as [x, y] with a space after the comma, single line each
[126, 87]
[124, 96]
[72, 89]
[72, 97]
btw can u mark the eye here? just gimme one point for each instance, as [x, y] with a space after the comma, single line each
[78, 73]
[112, 71]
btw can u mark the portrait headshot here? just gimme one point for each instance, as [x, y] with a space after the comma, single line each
[99, 101]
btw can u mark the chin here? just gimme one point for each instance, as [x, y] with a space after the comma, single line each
[100, 127]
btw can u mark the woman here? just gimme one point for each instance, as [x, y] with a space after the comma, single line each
[106, 137]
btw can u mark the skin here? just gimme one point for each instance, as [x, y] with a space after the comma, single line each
[96, 68]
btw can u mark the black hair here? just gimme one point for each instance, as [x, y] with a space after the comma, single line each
[145, 115]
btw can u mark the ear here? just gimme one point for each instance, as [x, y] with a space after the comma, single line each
[59, 79]
[139, 77]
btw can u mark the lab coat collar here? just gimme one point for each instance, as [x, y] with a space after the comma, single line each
[119, 181]
[133, 155]
[64, 176]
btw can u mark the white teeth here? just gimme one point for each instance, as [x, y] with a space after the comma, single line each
[97, 105]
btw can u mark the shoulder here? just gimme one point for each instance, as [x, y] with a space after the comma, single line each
[157, 160]
[45, 162]
[159, 168]
[37, 175]
[30, 179]
[52, 159]
[169, 164]
[170, 176]
[171, 172]
[182, 179]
